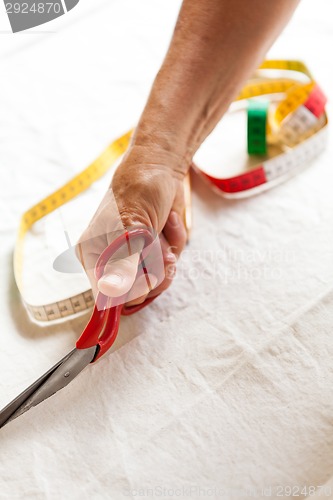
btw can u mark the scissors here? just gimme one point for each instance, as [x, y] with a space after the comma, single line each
[96, 339]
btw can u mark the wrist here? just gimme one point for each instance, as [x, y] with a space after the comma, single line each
[166, 124]
[178, 116]
[159, 147]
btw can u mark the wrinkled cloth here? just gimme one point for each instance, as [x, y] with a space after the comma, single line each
[223, 387]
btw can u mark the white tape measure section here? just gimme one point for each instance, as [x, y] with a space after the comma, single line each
[50, 295]
[298, 124]
[295, 159]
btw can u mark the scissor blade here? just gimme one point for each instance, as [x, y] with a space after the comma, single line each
[60, 375]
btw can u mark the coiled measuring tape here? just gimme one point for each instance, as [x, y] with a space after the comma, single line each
[296, 123]
[295, 126]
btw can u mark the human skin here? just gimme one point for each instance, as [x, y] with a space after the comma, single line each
[216, 46]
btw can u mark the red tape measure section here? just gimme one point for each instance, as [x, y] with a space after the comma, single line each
[316, 102]
[241, 182]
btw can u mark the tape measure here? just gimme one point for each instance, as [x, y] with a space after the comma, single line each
[296, 124]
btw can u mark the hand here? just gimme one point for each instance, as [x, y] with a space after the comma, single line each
[146, 190]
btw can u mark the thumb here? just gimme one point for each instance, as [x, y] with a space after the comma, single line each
[119, 276]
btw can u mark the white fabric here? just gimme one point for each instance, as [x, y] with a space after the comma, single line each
[226, 381]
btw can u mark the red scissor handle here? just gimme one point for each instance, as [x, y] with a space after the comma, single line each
[103, 326]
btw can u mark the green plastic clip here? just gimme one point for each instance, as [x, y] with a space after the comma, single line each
[257, 112]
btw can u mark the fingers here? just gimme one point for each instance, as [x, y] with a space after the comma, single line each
[173, 240]
[170, 260]
[175, 233]
[140, 290]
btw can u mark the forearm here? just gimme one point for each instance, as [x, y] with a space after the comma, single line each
[216, 46]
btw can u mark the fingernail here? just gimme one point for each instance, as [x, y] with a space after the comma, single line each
[112, 279]
[173, 219]
[171, 257]
[171, 271]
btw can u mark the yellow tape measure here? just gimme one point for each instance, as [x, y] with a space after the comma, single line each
[290, 124]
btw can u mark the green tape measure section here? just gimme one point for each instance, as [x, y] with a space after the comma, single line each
[256, 127]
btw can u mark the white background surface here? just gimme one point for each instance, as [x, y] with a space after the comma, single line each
[224, 382]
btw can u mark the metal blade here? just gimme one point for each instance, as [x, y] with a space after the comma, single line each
[60, 375]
